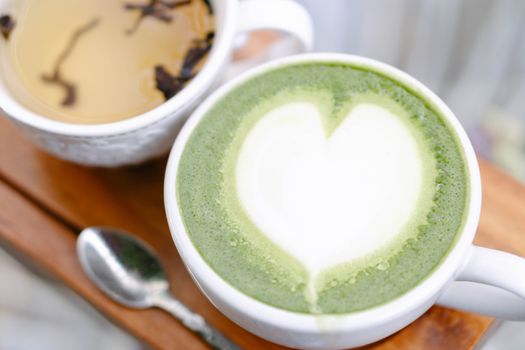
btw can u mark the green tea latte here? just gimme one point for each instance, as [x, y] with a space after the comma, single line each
[323, 188]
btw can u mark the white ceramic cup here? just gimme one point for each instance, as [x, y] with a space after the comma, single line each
[151, 134]
[470, 278]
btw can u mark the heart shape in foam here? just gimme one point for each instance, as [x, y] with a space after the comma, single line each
[329, 199]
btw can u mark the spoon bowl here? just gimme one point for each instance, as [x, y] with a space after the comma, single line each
[122, 266]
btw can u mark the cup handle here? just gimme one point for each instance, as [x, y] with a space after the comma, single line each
[285, 16]
[491, 282]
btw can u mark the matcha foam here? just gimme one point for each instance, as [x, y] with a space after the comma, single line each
[322, 188]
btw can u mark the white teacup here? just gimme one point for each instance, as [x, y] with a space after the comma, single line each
[151, 134]
[471, 278]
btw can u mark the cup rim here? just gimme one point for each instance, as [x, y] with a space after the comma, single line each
[219, 53]
[420, 295]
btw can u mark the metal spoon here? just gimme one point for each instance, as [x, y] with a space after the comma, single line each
[127, 270]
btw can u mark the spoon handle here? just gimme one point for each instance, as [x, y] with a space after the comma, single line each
[195, 322]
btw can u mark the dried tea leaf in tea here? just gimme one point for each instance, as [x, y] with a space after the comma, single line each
[170, 85]
[56, 77]
[196, 53]
[7, 24]
[154, 8]
[210, 8]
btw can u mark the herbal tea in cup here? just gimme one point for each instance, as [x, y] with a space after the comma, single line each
[99, 61]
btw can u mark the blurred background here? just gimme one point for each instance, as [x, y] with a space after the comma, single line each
[470, 52]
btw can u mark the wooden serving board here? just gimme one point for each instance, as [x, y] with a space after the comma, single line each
[45, 202]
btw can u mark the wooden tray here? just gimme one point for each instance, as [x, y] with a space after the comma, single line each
[45, 202]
